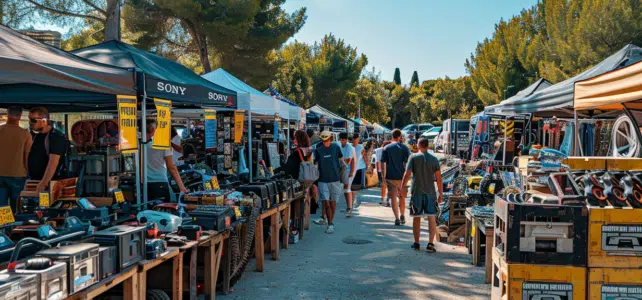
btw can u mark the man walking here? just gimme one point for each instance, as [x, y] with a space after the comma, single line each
[349, 154]
[328, 156]
[14, 154]
[423, 202]
[360, 175]
[393, 159]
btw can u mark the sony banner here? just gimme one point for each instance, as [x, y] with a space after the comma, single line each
[193, 94]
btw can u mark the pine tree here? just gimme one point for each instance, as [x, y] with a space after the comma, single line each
[414, 80]
[397, 78]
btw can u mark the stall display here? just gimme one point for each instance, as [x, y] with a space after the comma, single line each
[81, 261]
[128, 240]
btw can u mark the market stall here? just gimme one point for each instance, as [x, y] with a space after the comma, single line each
[339, 124]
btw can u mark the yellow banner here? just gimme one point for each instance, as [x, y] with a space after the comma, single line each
[239, 120]
[210, 114]
[127, 138]
[163, 135]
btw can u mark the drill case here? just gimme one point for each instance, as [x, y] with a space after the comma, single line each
[212, 217]
[260, 190]
[128, 240]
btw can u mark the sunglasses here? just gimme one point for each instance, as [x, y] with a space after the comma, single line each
[34, 121]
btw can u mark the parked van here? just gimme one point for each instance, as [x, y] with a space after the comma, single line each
[454, 138]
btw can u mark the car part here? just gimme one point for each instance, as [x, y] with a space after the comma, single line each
[594, 190]
[612, 190]
[128, 240]
[632, 190]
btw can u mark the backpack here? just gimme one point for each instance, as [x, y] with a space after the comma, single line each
[308, 171]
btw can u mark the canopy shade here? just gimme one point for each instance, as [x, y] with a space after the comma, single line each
[296, 112]
[164, 78]
[249, 98]
[380, 129]
[36, 74]
[560, 95]
[539, 85]
[326, 113]
[611, 90]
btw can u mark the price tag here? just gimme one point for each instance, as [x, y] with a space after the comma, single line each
[208, 186]
[44, 200]
[215, 183]
[237, 211]
[6, 215]
[119, 196]
[472, 232]
[220, 201]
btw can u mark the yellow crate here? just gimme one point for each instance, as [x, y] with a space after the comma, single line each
[615, 238]
[623, 164]
[585, 163]
[610, 283]
[527, 281]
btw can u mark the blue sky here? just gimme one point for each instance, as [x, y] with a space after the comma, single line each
[433, 37]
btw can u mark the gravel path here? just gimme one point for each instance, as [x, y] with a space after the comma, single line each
[323, 266]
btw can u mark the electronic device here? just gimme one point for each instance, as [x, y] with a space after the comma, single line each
[128, 240]
[82, 263]
[155, 248]
[213, 217]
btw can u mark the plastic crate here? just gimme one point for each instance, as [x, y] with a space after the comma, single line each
[541, 234]
[615, 237]
[610, 283]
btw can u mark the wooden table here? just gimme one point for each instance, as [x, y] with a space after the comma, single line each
[131, 286]
[173, 254]
[475, 228]
[282, 210]
[300, 209]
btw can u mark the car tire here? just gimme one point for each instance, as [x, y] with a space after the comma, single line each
[156, 295]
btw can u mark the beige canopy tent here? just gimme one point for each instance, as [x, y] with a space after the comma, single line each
[614, 90]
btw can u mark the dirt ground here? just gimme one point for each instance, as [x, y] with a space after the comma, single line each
[323, 266]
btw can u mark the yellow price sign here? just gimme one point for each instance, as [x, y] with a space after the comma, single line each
[208, 186]
[163, 135]
[220, 201]
[472, 231]
[44, 200]
[237, 211]
[119, 196]
[127, 137]
[239, 121]
[6, 215]
[215, 184]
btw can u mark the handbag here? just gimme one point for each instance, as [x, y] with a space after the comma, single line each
[308, 171]
[372, 178]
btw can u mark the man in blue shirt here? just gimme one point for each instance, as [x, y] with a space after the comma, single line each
[394, 159]
[328, 157]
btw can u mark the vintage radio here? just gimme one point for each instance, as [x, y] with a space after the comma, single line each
[615, 238]
[155, 248]
[128, 240]
[260, 190]
[547, 234]
[108, 259]
[213, 217]
[191, 232]
[82, 263]
[19, 286]
[536, 282]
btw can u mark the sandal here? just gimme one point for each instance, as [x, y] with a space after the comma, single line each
[431, 248]
[415, 246]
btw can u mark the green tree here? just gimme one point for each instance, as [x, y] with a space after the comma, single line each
[415, 79]
[336, 67]
[293, 78]
[372, 96]
[397, 77]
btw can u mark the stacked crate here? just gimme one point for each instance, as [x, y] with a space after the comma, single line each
[540, 251]
[615, 253]
[457, 212]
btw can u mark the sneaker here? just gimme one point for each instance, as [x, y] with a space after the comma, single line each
[397, 222]
[355, 211]
[348, 213]
[431, 248]
[415, 246]
[320, 221]
[402, 219]
[330, 229]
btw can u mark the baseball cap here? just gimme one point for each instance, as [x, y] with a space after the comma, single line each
[325, 135]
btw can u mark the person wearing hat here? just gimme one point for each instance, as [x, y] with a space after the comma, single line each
[328, 157]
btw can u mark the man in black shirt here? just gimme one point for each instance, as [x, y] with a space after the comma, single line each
[394, 158]
[48, 149]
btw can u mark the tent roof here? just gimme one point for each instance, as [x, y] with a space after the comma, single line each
[36, 74]
[324, 112]
[260, 103]
[165, 78]
[538, 85]
[560, 95]
[611, 90]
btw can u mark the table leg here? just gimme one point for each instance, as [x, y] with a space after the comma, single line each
[286, 226]
[192, 273]
[489, 252]
[476, 246]
[131, 288]
[227, 264]
[177, 283]
[142, 283]
[258, 245]
[209, 267]
[467, 237]
[306, 212]
[276, 230]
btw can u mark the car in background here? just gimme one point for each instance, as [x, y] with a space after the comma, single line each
[454, 138]
[431, 135]
[415, 129]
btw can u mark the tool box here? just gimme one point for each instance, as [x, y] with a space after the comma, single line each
[18, 286]
[213, 217]
[51, 277]
[541, 234]
[615, 238]
[536, 282]
[82, 263]
[108, 259]
[610, 283]
[273, 190]
[260, 190]
[128, 240]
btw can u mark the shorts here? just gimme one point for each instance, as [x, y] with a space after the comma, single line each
[330, 191]
[359, 180]
[423, 205]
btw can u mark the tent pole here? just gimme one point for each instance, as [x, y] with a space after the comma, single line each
[143, 117]
[505, 139]
[249, 139]
[575, 132]
[287, 152]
